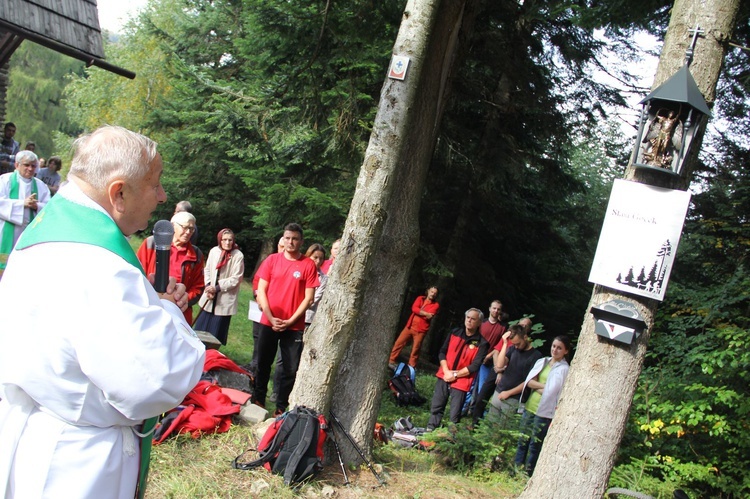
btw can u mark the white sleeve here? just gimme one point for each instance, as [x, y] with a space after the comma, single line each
[137, 349]
[43, 195]
[11, 210]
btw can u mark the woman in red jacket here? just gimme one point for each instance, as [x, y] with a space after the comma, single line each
[185, 260]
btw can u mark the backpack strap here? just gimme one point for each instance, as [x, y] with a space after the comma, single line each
[306, 439]
[412, 374]
[268, 454]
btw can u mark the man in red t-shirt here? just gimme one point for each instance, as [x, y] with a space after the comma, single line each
[286, 287]
[422, 312]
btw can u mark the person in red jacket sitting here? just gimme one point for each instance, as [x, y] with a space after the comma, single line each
[460, 357]
[422, 312]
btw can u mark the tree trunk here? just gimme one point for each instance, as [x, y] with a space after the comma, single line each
[581, 447]
[347, 345]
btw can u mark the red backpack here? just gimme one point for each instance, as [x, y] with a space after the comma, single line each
[292, 446]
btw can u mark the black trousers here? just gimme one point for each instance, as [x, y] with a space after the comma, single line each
[290, 345]
[254, 362]
[485, 392]
[440, 400]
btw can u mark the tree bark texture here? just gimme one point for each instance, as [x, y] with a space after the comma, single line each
[346, 348]
[580, 450]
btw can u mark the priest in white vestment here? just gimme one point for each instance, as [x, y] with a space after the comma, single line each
[22, 196]
[80, 373]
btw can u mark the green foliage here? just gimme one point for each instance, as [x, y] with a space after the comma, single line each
[488, 446]
[691, 410]
[480, 452]
[657, 476]
[37, 79]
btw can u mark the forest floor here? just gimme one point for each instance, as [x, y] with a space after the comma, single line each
[182, 467]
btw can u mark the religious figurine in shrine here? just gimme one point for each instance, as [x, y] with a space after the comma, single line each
[664, 137]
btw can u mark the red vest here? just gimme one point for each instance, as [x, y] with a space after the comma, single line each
[462, 351]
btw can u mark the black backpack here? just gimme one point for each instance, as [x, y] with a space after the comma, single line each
[292, 446]
[403, 387]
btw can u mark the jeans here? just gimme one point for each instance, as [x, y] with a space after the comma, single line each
[473, 393]
[485, 392]
[533, 431]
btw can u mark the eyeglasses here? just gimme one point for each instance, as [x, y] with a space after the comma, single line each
[186, 228]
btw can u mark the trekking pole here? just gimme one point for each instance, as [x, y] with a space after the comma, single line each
[338, 453]
[358, 449]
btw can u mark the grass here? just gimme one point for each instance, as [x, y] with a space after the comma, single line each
[183, 467]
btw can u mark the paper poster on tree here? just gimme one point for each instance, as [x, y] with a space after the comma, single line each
[639, 238]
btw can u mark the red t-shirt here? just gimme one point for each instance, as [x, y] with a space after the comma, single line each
[493, 333]
[287, 281]
[326, 266]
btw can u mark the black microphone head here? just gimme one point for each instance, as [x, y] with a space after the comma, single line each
[163, 234]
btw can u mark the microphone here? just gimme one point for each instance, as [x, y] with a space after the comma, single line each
[163, 235]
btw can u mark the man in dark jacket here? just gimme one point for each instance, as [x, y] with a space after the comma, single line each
[515, 365]
[460, 357]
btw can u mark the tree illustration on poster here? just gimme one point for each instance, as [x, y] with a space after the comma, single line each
[639, 237]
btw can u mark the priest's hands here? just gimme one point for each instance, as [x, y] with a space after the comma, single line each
[176, 292]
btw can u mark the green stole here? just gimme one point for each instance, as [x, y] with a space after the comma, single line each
[62, 220]
[6, 238]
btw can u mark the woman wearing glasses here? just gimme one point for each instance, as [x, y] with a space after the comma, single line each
[185, 260]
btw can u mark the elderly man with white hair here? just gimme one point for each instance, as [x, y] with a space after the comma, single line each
[185, 259]
[22, 196]
[109, 353]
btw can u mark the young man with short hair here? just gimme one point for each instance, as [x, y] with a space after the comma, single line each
[9, 147]
[515, 364]
[286, 288]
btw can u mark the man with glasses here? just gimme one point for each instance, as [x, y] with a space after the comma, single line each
[185, 259]
[21, 198]
[187, 206]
